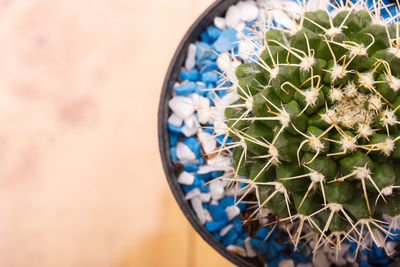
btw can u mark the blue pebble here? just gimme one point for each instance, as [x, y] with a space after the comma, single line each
[194, 145]
[241, 206]
[258, 245]
[203, 176]
[213, 32]
[263, 232]
[174, 129]
[272, 253]
[196, 183]
[279, 246]
[208, 130]
[203, 51]
[204, 188]
[214, 226]
[191, 75]
[220, 139]
[216, 174]
[204, 37]
[222, 93]
[240, 242]
[226, 41]
[364, 264]
[201, 90]
[206, 206]
[173, 139]
[200, 161]
[204, 62]
[172, 152]
[210, 67]
[218, 213]
[217, 236]
[230, 238]
[244, 235]
[227, 201]
[190, 168]
[209, 77]
[211, 96]
[237, 224]
[186, 88]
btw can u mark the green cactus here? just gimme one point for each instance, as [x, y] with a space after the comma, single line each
[317, 132]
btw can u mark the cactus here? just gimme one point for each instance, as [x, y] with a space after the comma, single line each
[316, 128]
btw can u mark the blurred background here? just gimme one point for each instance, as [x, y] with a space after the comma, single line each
[81, 182]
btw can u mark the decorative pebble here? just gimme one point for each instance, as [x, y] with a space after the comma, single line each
[175, 120]
[218, 213]
[232, 212]
[207, 141]
[249, 249]
[191, 126]
[190, 75]
[184, 153]
[203, 51]
[232, 17]
[237, 250]
[190, 62]
[182, 106]
[248, 10]
[216, 189]
[214, 226]
[205, 197]
[230, 238]
[219, 23]
[225, 41]
[209, 77]
[286, 263]
[192, 193]
[225, 230]
[198, 209]
[185, 178]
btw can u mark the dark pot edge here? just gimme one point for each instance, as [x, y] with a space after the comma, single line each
[206, 18]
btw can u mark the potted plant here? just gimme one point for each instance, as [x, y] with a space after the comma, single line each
[278, 128]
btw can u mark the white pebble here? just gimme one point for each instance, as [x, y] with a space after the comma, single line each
[186, 178]
[237, 250]
[198, 209]
[225, 230]
[246, 49]
[175, 120]
[192, 193]
[248, 10]
[240, 27]
[219, 23]
[321, 260]
[184, 153]
[220, 163]
[232, 212]
[203, 109]
[232, 17]
[304, 265]
[208, 216]
[207, 141]
[182, 106]
[191, 126]
[216, 189]
[286, 263]
[249, 249]
[190, 62]
[205, 197]
[225, 63]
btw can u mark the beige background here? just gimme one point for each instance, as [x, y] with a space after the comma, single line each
[81, 182]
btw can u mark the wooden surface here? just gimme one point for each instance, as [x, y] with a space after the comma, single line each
[81, 182]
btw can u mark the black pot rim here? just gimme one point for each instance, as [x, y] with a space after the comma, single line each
[218, 8]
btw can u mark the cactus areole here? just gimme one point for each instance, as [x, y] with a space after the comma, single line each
[316, 128]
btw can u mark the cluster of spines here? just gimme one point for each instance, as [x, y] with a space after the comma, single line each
[315, 128]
